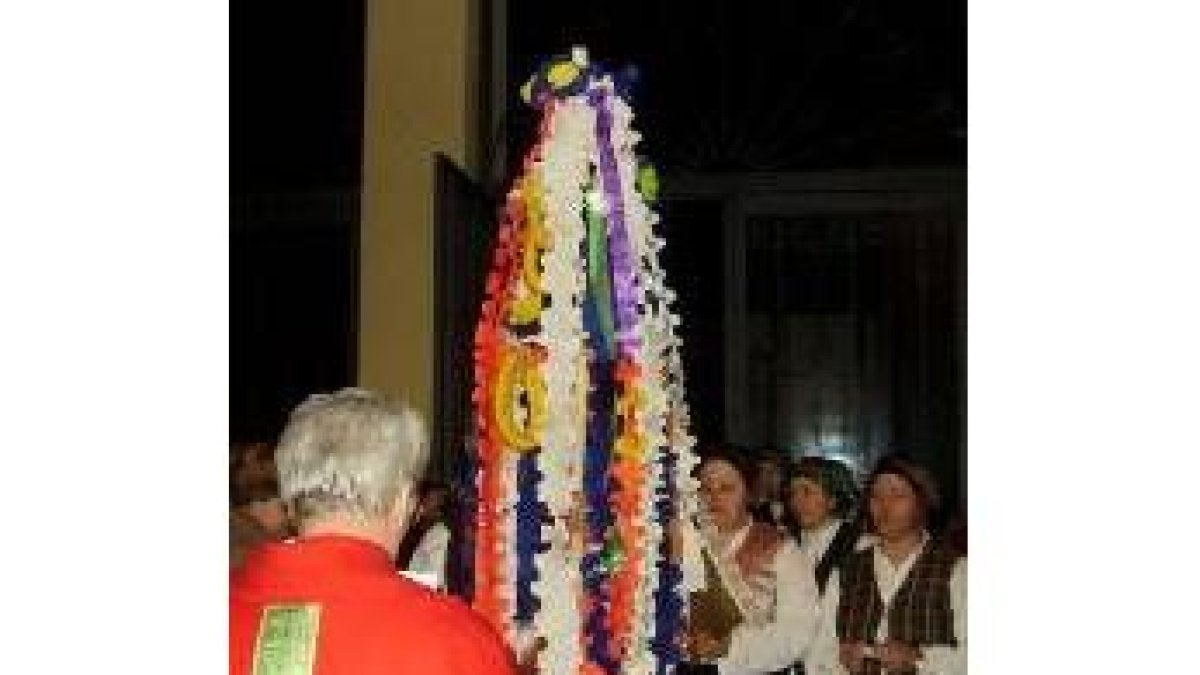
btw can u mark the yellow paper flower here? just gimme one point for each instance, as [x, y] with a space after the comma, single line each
[526, 308]
[517, 374]
[562, 73]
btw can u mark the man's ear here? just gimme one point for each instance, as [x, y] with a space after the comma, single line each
[404, 505]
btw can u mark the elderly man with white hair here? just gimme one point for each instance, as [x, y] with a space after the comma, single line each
[330, 600]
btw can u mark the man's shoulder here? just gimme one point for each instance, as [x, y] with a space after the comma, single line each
[406, 596]
[410, 601]
[447, 621]
[433, 603]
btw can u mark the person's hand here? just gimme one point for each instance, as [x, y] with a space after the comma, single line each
[702, 646]
[851, 654]
[527, 660]
[897, 656]
[576, 525]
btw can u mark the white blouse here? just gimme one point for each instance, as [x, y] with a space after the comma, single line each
[781, 624]
[814, 544]
[429, 558]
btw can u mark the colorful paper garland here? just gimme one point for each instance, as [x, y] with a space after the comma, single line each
[576, 310]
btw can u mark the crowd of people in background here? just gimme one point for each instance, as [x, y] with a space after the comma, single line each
[827, 574]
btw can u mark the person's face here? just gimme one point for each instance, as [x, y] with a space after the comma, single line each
[271, 514]
[810, 504]
[431, 505]
[724, 494]
[258, 464]
[768, 481]
[895, 507]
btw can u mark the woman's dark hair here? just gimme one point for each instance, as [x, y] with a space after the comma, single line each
[834, 477]
[251, 473]
[733, 456]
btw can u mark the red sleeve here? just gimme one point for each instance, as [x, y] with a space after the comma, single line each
[490, 654]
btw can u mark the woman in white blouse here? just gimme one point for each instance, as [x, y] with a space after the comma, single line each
[760, 570]
[821, 500]
[901, 601]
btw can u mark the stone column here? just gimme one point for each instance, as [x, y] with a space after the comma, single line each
[420, 89]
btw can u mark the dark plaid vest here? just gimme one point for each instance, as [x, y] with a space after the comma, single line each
[920, 613]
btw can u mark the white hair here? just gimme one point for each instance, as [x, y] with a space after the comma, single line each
[349, 452]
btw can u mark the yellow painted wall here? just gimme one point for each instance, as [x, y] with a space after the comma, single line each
[421, 63]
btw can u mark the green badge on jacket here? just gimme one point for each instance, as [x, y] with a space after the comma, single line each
[287, 640]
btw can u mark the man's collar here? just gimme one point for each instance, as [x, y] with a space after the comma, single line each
[877, 544]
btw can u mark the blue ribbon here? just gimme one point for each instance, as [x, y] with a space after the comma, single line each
[596, 488]
[668, 597]
[528, 536]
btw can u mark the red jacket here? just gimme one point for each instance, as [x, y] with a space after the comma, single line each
[339, 603]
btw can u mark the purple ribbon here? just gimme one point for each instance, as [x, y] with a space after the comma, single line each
[621, 258]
